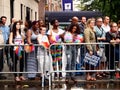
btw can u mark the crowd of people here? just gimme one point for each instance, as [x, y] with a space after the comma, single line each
[90, 30]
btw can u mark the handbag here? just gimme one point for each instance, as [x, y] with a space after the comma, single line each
[92, 59]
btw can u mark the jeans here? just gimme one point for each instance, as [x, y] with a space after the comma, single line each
[71, 54]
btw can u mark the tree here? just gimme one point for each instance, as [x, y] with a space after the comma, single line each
[107, 7]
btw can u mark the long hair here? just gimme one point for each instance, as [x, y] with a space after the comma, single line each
[14, 29]
[71, 27]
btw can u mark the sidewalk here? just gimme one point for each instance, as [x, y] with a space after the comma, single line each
[79, 79]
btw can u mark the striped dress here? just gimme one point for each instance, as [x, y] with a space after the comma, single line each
[32, 58]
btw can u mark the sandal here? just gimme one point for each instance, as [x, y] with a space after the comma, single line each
[73, 79]
[67, 80]
[93, 79]
[88, 78]
[103, 74]
[98, 76]
[17, 79]
[22, 78]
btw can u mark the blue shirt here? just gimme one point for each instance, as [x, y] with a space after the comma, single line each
[6, 32]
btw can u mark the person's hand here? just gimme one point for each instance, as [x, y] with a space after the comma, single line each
[91, 52]
[117, 41]
[51, 32]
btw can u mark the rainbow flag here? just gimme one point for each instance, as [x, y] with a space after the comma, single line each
[29, 48]
[18, 51]
[45, 44]
[32, 48]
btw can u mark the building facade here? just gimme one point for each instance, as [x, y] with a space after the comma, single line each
[20, 9]
[53, 5]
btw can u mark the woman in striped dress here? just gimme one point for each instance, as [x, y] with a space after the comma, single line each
[32, 35]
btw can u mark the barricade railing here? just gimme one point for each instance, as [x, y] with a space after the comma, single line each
[68, 50]
[109, 58]
[26, 53]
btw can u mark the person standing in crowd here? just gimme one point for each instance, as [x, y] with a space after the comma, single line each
[32, 35]
[100, 35]
[113, 50]
[22, 26]
[71, 36]
[89, 36]
[56, 50]
[75, 19]
[17, 39]
[41, 23]
[42, 52]
[11, 25]
[6, 31]
[28, 25]
[105, 25]
[82, 24]
[118, 25]
[1, 53]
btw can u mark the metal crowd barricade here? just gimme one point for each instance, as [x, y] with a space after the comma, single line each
[82, 46]
[110, 52]
[40, 53]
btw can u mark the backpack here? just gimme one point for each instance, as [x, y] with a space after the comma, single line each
[1, 39]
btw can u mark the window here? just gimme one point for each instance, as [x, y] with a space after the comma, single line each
[27, 13]
[21, 11]
[35, 15]
[11, 8]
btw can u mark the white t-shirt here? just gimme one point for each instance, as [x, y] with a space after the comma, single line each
[18, 40]
[43, 40]
[106, 28]
[55, 36]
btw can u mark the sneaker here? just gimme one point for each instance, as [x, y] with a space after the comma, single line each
[67, 80]
[17, 79]
[55, 76]
[60, 75]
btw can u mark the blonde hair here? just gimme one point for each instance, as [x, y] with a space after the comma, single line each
[89, 21]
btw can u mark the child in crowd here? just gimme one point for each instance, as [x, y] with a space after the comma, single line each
[42, 53]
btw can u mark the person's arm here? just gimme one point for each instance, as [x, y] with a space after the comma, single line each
[23, 40]
[11, 39]
[38, 39]
[47, 40]
[87, 40]
[62, 36]
[49, 33]
[29, 34]
[101, 38]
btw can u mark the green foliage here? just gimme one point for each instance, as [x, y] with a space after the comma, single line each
[107, 7]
